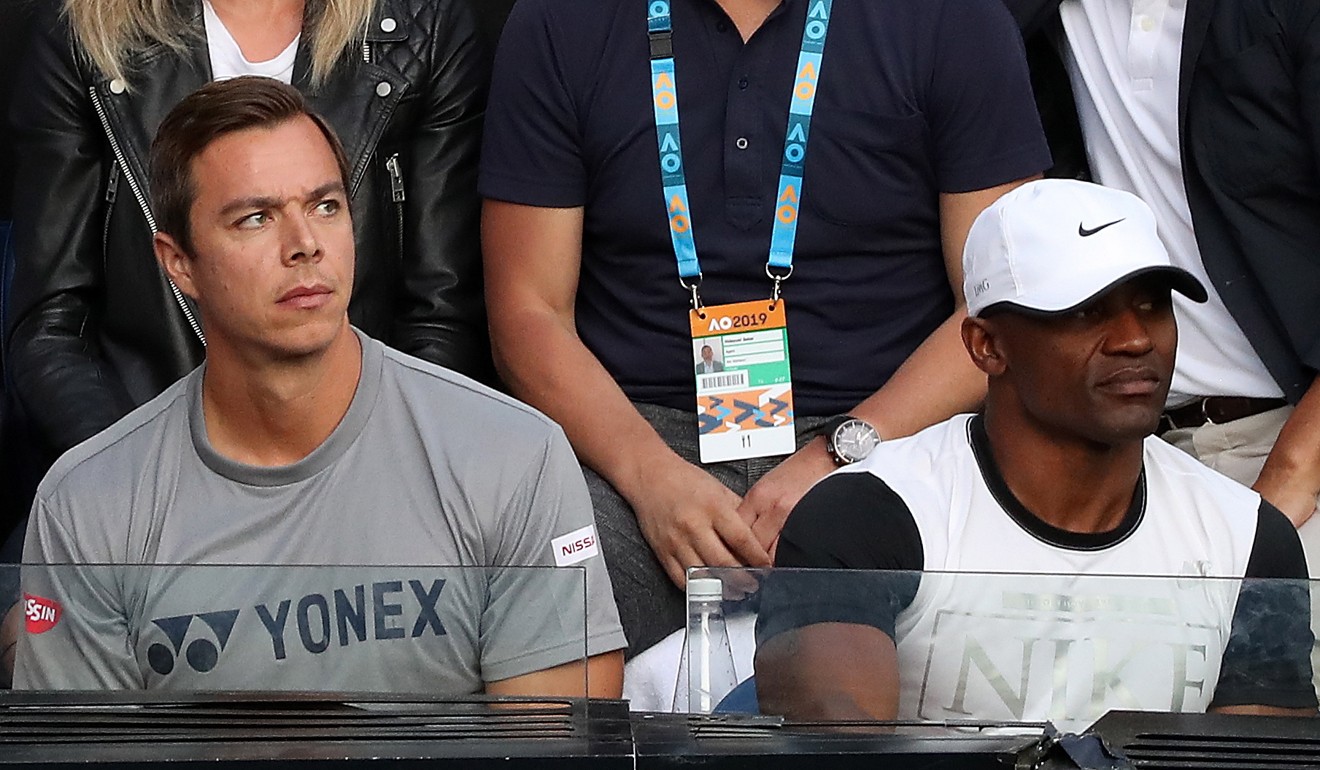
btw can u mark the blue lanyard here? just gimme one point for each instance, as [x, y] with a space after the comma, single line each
[664, 91]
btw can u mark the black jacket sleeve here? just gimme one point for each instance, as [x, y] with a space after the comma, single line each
[440, 313]
[1268, 658]
[53, 356]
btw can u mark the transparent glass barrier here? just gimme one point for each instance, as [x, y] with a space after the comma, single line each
[430, 630]
[988, 651]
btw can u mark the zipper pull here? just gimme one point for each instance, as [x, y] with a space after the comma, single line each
[396, 177]
[112, 187]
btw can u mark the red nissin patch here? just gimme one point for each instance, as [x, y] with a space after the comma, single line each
[41, 614]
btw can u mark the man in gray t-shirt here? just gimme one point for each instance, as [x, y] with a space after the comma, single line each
[304, 442]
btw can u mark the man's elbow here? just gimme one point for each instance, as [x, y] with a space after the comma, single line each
[512, 324]
[10, 628]
[818, 705]
[801, 676]
[600, 676]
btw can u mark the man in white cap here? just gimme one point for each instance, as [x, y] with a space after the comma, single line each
[1069, 302]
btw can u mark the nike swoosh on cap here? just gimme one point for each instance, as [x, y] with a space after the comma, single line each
[1082, 231]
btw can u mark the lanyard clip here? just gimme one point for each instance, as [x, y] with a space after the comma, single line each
[696, 298]
[778, 279]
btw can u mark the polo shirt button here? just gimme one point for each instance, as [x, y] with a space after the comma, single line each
[383, 89]
[118, 86]
[388, 25]
[1147, 24]
[722, 26]
[742, 84]
[741, 143]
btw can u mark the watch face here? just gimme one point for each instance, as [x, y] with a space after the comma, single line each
[854, 440]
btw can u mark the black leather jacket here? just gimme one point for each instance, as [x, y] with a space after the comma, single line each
[95, 328]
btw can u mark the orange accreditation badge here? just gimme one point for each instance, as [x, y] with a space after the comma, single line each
[744, 390]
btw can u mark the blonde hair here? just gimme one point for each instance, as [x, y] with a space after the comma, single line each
[110, 31]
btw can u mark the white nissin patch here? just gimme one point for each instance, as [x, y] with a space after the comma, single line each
[578, 545]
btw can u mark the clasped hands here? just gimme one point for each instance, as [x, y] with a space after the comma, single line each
[691, 519]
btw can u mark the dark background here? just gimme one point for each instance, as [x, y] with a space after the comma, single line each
[491, 15]
[14, 23]
[14, 15]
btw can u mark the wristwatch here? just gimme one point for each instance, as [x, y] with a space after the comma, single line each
[849, 439]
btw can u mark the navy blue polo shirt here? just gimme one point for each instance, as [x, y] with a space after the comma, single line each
[916, 97]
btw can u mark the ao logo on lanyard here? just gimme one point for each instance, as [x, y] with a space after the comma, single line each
[740, 351]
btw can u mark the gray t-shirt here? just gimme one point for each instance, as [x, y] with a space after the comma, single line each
[427, 468]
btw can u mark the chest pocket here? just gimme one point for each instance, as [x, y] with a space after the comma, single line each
[864, 168]
[1246, 124]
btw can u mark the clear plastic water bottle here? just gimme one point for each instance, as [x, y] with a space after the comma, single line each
[705, 668]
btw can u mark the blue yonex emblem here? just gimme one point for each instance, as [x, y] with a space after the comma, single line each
[201, 654]
[345, 617]
[392, 609]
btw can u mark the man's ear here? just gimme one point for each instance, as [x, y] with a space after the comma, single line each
[176, 263]
[983, 343]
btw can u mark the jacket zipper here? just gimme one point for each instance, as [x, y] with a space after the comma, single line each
[397, 195]
[111, 193]
[142, 203]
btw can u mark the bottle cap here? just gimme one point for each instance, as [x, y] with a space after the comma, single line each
[705, 589]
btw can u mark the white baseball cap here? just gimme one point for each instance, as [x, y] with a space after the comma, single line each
[1052, 245]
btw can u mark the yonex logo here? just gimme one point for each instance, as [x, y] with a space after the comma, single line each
[392, 609]
[316, 617]
[201, 654]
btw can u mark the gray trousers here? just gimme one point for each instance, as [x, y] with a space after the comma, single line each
[1238, 450]
[651, 607]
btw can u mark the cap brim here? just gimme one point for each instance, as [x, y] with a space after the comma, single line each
[1175, 278]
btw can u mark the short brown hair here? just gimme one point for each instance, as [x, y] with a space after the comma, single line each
[212, 111]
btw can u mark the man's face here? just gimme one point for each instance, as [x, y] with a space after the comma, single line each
[706, 353]
[1100, 373]
[272, 260]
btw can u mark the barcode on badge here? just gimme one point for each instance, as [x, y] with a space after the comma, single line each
[707, 382]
